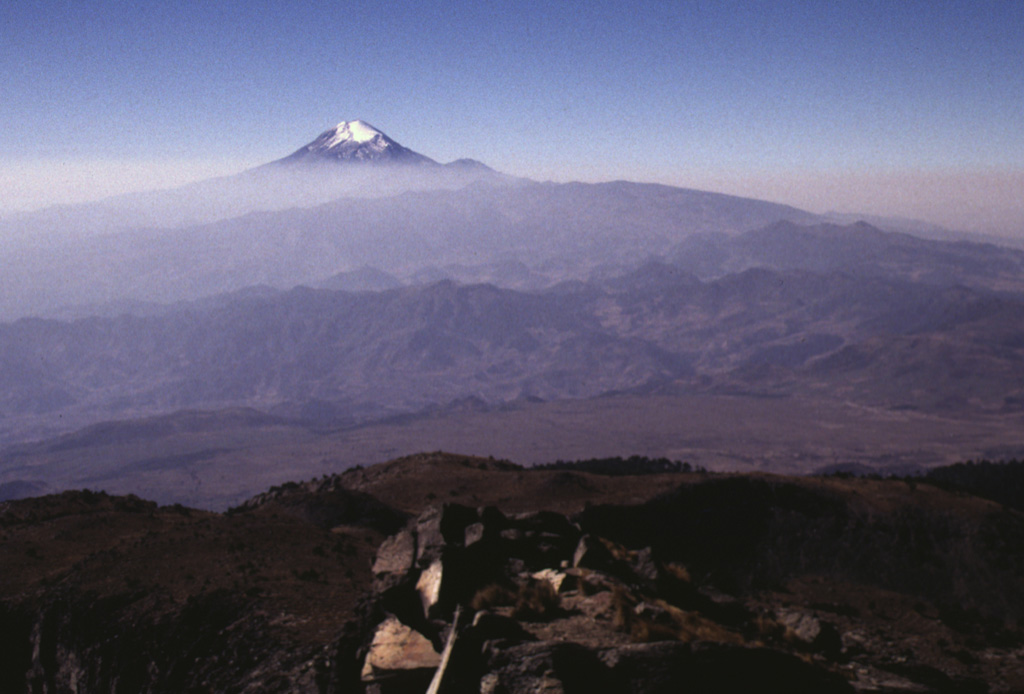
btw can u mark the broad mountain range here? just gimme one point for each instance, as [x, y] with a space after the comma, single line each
[353, 197]
[410, 347]
[548, 232]
[358, 284]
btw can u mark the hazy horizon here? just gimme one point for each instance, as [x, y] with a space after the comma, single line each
[986, 202]
[908, 109]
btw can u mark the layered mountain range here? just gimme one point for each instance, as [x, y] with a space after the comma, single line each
[367, 286]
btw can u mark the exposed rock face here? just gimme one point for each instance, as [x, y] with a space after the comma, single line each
[429, 588]
[803, 626]
[399, 657]
[591, 554]
[395, 556]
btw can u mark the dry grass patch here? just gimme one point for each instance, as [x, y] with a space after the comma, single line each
[661, 621]
[533, 600]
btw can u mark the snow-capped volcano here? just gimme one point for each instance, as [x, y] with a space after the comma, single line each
[357, 141]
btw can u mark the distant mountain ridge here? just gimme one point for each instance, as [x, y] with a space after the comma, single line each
[351, 160]
[346, 289]
[781, 310]
[353, 197]
[451, 217]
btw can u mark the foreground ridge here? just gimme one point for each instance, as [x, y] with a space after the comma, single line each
[480, 575]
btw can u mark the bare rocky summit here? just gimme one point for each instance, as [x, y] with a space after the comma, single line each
[441, 573]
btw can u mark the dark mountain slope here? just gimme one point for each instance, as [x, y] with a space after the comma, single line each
[1002, 482]
[821, 584]
[117, 594]
[750, 532]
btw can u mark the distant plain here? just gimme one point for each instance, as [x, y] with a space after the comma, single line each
[218, 460]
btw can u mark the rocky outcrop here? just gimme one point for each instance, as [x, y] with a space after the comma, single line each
[722, 584]
[399, 658]
[531, 603]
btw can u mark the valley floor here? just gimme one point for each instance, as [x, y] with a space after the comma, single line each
[218, 459]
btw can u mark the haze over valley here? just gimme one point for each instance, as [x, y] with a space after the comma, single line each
[363, 301]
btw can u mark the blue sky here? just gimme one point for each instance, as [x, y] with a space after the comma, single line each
[911, 108]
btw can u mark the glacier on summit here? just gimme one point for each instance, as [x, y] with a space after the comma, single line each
[356, 141]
